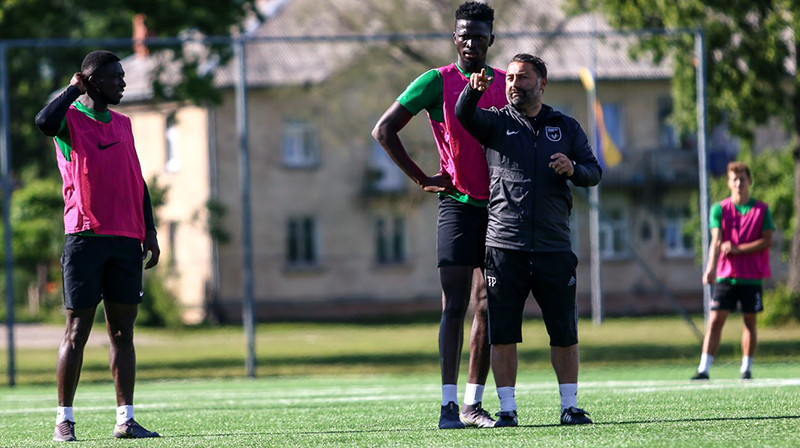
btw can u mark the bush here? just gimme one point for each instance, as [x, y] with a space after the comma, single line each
[160, 308]
[780, 307]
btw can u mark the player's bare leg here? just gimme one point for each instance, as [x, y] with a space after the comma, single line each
[68, 369]
[749, 340]
[716, 320]
[456, 285]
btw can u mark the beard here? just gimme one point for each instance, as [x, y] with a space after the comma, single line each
[518, 98]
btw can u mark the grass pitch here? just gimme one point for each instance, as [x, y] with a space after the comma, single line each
[358, 385]
[661, 409]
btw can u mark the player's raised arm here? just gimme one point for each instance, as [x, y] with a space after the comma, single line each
[48, 120]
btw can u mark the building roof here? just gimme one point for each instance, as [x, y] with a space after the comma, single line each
[306, 41]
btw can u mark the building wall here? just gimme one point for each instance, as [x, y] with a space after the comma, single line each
[333, 194]
[186, 249]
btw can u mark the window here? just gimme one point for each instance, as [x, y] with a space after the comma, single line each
[386, 177]
[300, 144]
[390, 240]
[302, 242]
[613, 231]
[677, 243]
[173, 160]
[667, 137]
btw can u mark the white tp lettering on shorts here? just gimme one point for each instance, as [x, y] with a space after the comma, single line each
[491, 281]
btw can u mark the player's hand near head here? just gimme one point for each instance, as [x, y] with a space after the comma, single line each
[479, 81]
[80, 81]
[150, 244]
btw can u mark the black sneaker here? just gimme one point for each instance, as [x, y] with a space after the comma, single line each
[65, 432]
[133, 430]
[475, 415]
[449, 418]
[746, 375]
[575, 416]
[700, 376]
[506, 418]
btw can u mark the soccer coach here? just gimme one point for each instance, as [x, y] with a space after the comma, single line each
[532, 151]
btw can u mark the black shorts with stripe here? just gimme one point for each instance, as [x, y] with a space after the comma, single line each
[96, 268]
[461, 233]
[727, 296]
[511, 275]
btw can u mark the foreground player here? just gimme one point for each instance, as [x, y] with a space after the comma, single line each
[463, 188]
[109, 227]
[738, 261]
[532, 151]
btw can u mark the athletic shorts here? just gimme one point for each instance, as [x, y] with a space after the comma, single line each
[461, 233]
[511, 275]
[726, 296]
[96, 268]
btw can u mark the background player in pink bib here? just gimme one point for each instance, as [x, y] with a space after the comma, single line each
[738, 261]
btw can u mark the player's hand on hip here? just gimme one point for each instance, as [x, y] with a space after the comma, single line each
[440, 183]
[479, 81]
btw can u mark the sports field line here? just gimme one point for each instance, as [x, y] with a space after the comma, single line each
[282, 396]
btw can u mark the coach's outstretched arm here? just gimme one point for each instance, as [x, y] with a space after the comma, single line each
[467, 111]
[49, 119]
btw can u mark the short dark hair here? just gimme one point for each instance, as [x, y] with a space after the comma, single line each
[536, 61]
[739, 168]
[477, 11]
[97, 59]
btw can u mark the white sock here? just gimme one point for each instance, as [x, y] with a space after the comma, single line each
[64, 413]
[705, 362]
[449, 393]
[507, 401]
[124, 413]
[747, 361]
[474, 393]
[569, 395]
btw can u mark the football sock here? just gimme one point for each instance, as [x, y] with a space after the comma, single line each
[449, 393]
[747, 361]
[569, 395]
[705, 362]
[474, 393]
[64, 413]
[124, 413]
[507, 401]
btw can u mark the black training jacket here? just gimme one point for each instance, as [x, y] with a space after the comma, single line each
[529, 204]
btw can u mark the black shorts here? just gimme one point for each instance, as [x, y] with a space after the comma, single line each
[461, 233]
[726, 296]
[511, 275]
[96, 268]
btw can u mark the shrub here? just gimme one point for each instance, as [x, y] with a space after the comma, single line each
[780, 307]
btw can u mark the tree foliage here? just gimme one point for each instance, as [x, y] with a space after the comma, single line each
[752, 54]
[34, 73]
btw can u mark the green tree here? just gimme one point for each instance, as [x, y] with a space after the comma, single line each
[34, 73]
[752, 55]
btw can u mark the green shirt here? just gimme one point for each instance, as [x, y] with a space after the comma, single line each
[65, 143]
[62, 136]
[427, 93]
